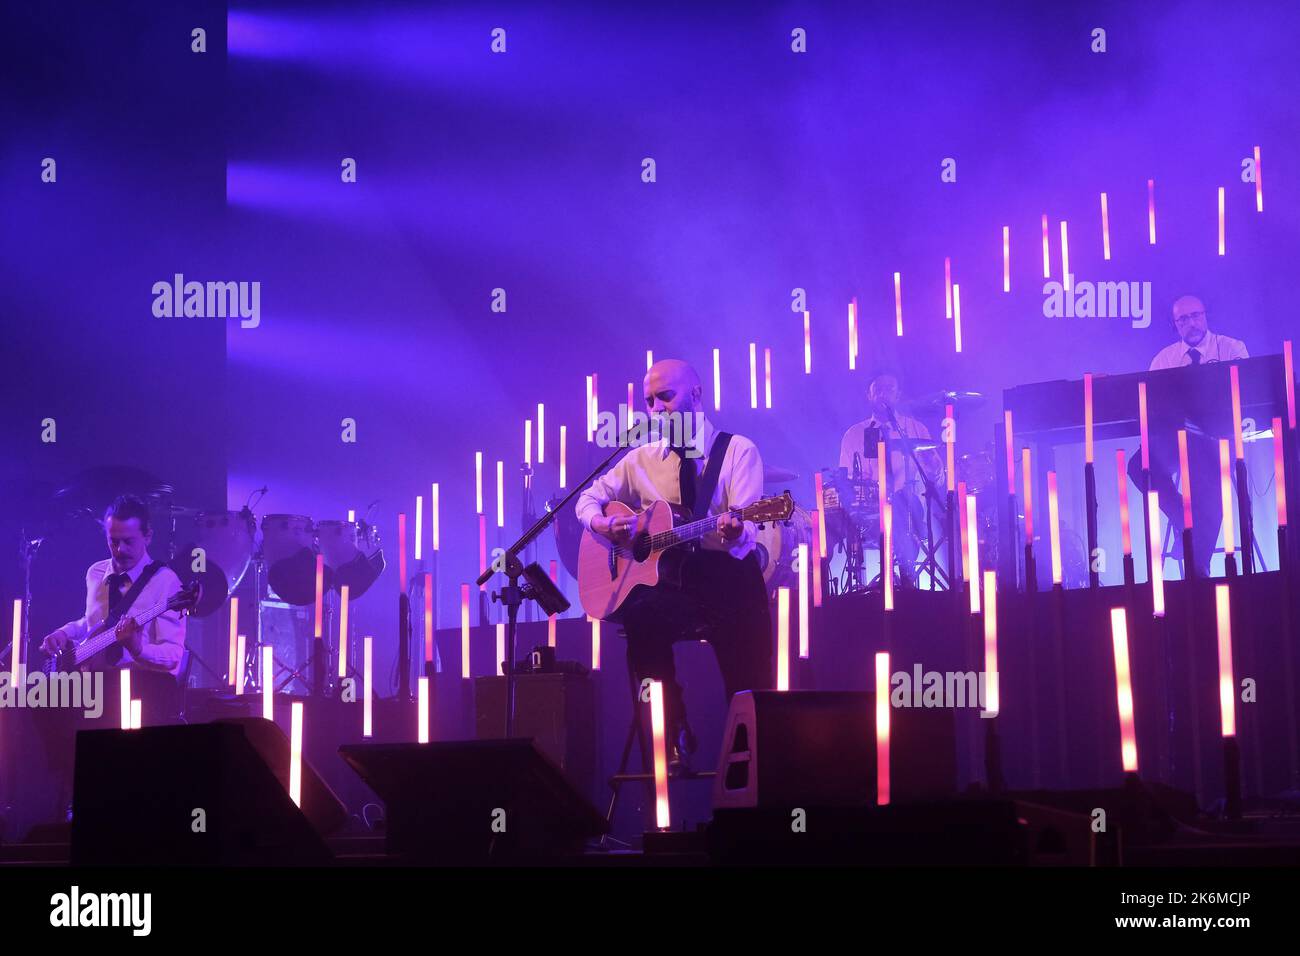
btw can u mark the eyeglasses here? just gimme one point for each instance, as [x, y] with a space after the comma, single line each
[1188, 317]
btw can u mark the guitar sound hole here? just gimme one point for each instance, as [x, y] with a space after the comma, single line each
[641, 547]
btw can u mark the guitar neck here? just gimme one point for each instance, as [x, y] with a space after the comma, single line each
[103, 636]
[691, 530]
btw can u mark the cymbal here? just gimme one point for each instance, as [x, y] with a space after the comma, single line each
[937, 400]
[91, 491]
[774, 475]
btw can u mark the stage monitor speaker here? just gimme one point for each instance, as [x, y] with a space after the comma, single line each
[475, 801]
[187, 794]
[320, 804]
[818, 748]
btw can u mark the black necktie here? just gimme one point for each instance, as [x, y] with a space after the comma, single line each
[686, 479]
[115, 581]
[1195, 356]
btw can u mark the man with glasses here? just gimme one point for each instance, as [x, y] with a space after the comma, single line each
[1196, 345]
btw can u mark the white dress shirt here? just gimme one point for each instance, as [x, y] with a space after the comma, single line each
[900, 464]
[163, 640]
[1213, 348]
[650, 473]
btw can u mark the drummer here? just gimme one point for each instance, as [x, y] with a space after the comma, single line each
[907, 488]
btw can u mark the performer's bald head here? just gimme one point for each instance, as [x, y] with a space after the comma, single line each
[672, 385]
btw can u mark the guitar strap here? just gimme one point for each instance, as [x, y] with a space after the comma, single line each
[709, 480]
[126, 600]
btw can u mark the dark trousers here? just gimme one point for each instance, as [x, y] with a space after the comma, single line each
[1207, 506]
[721, 600]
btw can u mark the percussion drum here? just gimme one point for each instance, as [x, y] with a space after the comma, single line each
[289, 547]
[217, 556]
[977, 471]
[352, 556]
[777, 548]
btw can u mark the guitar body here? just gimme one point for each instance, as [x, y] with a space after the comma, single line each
[607, 575]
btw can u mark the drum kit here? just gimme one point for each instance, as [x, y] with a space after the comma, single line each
[218, 548]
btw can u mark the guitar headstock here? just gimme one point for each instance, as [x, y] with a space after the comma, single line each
[777, 508]
[187, 598]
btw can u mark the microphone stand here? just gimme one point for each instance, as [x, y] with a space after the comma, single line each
[514, 594]
[931, 564]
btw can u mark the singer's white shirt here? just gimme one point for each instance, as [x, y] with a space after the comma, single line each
[651, 473]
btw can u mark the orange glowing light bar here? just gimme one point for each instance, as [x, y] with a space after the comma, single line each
[563, 456]
[428, 618]
[550, 620]
[887, 556]
[818, 523]
[501, 649]
[807, 344]
[1124, 689]
[662, 818]
[482, 547]
[528, 449]
[320, 588]
[368, 687]
[950, 426]
[1225, 491]
[1289, 371]
[956, 314]
[591, 419]
[1151, 209]
[973, 542]
[16, 658]
[717, 382]
[1105, 229]
[595, 643]
[1054, 526]
[1065, 258]
[1142, 425]
[753, 375]
[234, 640]
[1184, 478]
[1279, 473]
[422, 712]
[1155, 560]
[419, 526]
[1011, 453]
[649, 359]
[240, 666]
[464, 631]
[1220, 220]
[1047, 252]
[1259, 183]
[1125, 529]
[268, 682]
[124, 687]
[882, 728]
[881, 486]
[782, 638]
[1028, 477]
[401, 566]
[501, 494]
[433, 516]
[343, 625]
[853, 334]
[992, 695]
[1235, 380]
[478, 482]
[136, 717]
[767, 377]
[295, 753]
[947, 286]
[631, 403]
[1006, 258]
[541, 433]
[961, 522]
[1087, 417]
[898, 302]
[801, 562]
[819, 491]
[1227, 686]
